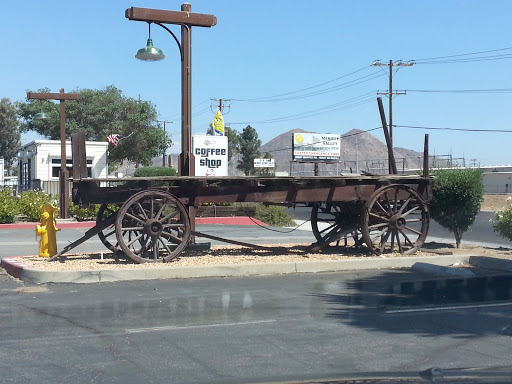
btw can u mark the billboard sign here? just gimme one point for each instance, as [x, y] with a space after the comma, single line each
[264, 163]
[211, 155]
[316, 146]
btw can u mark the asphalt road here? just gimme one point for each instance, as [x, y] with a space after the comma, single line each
[241, 330]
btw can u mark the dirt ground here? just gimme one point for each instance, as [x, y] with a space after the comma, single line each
[226, 255]
[221, 255]
[496, 202]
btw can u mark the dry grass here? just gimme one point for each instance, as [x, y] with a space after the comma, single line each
[496, 202]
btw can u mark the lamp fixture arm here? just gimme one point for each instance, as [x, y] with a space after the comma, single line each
[174, 36]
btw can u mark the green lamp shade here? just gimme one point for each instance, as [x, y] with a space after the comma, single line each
[149, 52]
[41, 116]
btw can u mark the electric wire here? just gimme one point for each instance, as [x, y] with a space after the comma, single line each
[478, 91]
[338, 87]
[462, 54]
[303, 89]
[455, 129]
[345, 104]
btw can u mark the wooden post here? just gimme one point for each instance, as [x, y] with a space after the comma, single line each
[391, 156]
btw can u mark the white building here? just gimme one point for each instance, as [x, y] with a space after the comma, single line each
[2, 171]
[497, 182]
[39, 163]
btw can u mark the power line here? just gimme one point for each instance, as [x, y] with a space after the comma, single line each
[462, 54]
[349, 103]
[303, 89]
[492, 90]
[469, 60]
[456, 129]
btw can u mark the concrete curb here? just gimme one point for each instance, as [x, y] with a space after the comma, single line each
[491, 263]
[27, 273]
[436, 265]
[440, 270]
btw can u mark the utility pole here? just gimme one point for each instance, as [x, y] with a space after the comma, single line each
[222, 104]
[390, 92]
[165, 135]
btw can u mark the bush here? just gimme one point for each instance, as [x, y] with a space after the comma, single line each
[456, 199]
[29, 203]
[154, 171]
[502, 224]
[83, 214]
[8, 206]
[273, 215]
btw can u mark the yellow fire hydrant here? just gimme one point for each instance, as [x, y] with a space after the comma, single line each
[47, 231]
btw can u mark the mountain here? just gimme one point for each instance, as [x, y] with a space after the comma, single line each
[360, 151]
[371, 155]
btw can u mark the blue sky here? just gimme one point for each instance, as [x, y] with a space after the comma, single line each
[281, 52]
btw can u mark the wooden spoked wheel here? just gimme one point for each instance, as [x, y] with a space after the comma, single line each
[152, 226]
[108, 235]
[395, 219]
[332, 222]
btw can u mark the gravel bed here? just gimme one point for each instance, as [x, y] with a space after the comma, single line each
[222, 255]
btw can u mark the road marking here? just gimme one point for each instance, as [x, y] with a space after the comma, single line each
[175, 328]
[429, 309]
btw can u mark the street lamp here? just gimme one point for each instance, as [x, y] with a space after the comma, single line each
[186, 19]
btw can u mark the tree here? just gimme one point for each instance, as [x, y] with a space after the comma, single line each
[456, 199]
[502, 223]
[9, 131]
[233, 139]
[248, 147]
[100, 113]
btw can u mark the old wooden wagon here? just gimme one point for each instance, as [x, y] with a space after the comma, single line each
[149, 219]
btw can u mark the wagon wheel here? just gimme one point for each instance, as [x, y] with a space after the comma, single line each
[152, 226]
[338, 223]
[108, 235]
[395, 218]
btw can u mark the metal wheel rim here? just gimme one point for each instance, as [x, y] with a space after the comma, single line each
[331, 217]
[152, 226]
[393, 224]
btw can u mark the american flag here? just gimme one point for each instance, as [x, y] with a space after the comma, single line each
[115, 138]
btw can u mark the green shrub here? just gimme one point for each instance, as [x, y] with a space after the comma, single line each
[83, 214]
[273, 215]
[8, 206]
[502, 224]
[154, 172]
[457, 196]
[29, 203]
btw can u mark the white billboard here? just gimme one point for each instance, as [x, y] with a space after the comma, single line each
[316, 146]
[211, 155]
[264, 163]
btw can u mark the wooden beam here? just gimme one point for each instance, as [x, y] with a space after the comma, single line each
[170, 17]
[53, 96]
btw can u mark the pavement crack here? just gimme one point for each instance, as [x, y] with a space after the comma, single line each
[109, 343]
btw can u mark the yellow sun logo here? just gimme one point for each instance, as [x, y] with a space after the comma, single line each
[299, 138]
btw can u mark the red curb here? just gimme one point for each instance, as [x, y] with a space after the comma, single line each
[77, 224]
[235, 220]
[13, 267]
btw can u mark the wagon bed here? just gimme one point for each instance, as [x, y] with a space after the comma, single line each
[152, 219]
